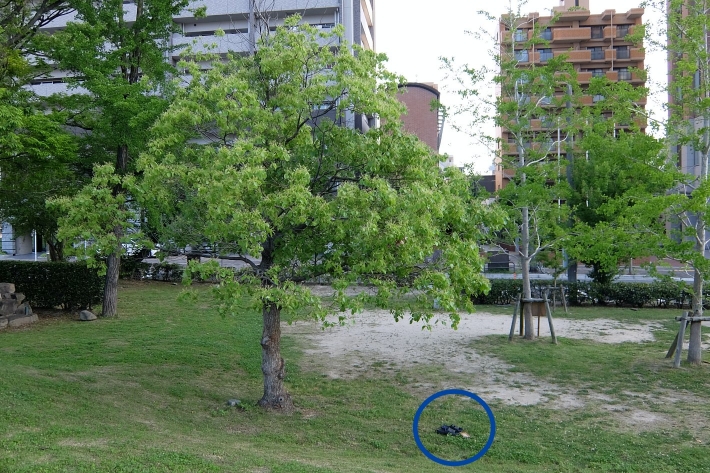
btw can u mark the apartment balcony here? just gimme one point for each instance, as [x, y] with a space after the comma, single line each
[571, 35]
[237, 42]
[634, 13]
[612, 75]
[576, 56]
[239, 8]
[574, 15]
[518, 36]
[609, 32]
[584, 77]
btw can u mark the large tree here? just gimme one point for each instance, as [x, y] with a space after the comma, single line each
[115, 55]
[621, 176]
[35, 150]
[258, 158]
[686, 28]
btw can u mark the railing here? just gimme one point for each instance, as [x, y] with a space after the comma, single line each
[625, 75]
[597, 54]
[545, 56]
[623, 54]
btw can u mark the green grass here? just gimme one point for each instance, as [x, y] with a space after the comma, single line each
[146, 392]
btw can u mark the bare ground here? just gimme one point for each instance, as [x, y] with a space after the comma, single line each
[375, 342]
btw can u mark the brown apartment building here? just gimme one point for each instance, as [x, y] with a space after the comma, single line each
[421, 118]
[595, 44]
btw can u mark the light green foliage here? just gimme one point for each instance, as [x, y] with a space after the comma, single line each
[619, 196]
[99, 205]
[251, 160]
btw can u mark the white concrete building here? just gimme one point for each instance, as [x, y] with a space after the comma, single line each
[232, 17]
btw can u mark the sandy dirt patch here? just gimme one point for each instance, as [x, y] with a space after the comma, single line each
[349, 351]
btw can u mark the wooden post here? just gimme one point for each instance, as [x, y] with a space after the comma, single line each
[564, 301]
[522, 315]
[673, 345]
[681, 334]
[549, 321]
[515, 315]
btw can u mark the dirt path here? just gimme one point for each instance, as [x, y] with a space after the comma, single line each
[349, 351]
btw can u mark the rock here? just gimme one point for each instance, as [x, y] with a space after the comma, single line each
[19, 297]
[3, 322]
[8, 306]
[7, 287]
[20, 320]
[23, 309]
[234, 403]
[87, 315]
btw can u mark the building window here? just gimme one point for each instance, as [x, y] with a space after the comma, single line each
[597, 72]
[622, 52]
[545, 55]
[521, 35]
[597, 53]
[546, 100]
[597, 32]
[622, 31]
[597, 98]
[547, 122]
[546, 34]
[624, 73]
[521, 55]
[691, 159]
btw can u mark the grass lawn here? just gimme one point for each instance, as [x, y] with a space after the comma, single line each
[146, 392]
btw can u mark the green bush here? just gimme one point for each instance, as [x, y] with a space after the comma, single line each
[54, 285]
[134, 268]
[660, 293]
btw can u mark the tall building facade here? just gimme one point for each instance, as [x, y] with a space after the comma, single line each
[422, 119]
[240, 22]
[595, 44]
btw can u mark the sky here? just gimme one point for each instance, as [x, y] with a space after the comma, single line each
[414, 34]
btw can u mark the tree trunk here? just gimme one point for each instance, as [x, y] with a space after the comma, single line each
[272, 364]
[56, 250]
[525, 268]
[694, 348]
[113, 265]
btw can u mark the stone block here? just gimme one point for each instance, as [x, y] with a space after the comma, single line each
[24, 309]
[8, 306]
[19, 297]
[3, 322]
[7, 287]
[87, 315]
[20, 320]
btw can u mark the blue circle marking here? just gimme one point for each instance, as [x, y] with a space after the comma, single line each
[455, 392]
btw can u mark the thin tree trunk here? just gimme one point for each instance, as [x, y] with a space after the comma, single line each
[109, 306]
[525, 264]
[694, 348]
[272, 364]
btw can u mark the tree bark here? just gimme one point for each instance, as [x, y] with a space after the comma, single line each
[525, 270]
[695, 350]
[109, 306]
[272, 364]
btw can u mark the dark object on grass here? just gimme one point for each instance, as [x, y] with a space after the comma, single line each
[234, 403]
[452, 430]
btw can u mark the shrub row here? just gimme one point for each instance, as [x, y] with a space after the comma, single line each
[133, 268]
[54, 285]
[662, 293]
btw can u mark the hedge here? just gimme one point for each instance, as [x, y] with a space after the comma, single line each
[660, 293]
[133, 268]
[55, 284]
